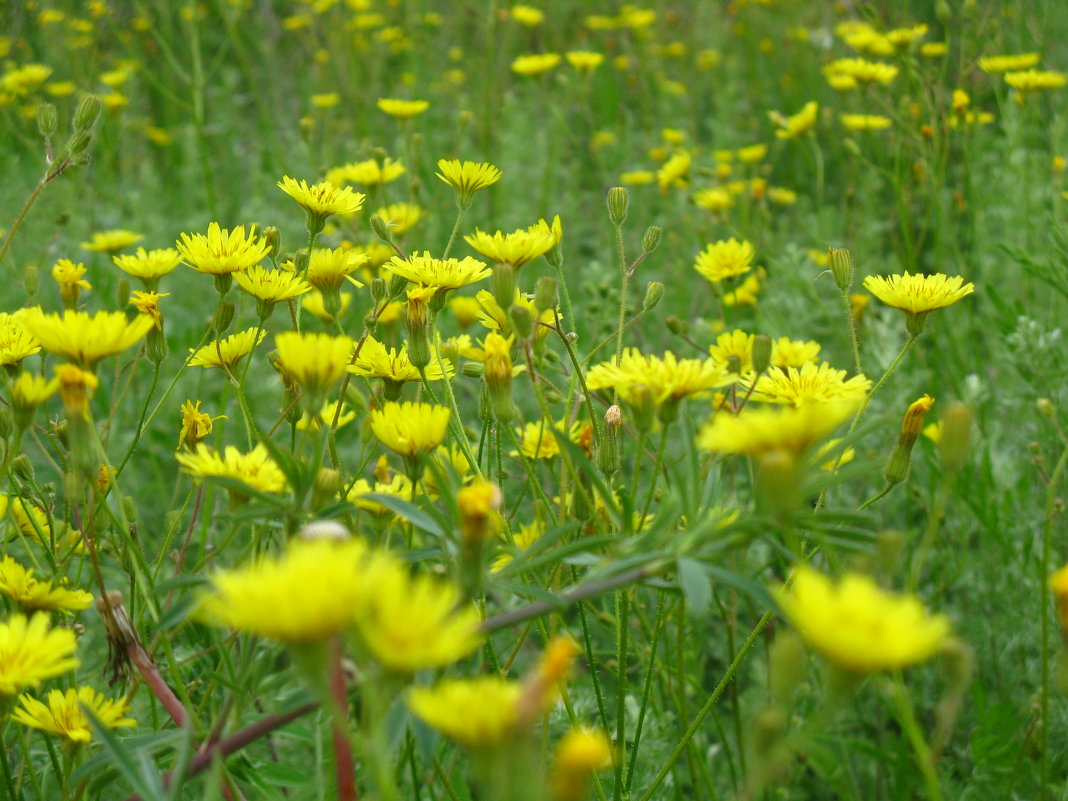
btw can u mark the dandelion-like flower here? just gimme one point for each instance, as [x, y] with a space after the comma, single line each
[674, 171]
[196, 425]
[440, 274]
[1011, 63]
[81, 337]
[149, 265]
[71, 280]
[227, 352]
[579, 753]
[378, 361]
[865, 122]
[29, 391]
[410, 429]
[917, 295]
[1027, 81]
[725, 259]
[863, 71]
[399, 486]
[733, 351]
[31, 652]
[21, 586]
[857, 625]
[366, 173]
[315, 361]
[400, 217]
[16, 343]
[147, 303]
[307, 594]
[271, 286]
[111, 241]
[255, 469]
[517, 248]
[536, 64]
[402, 109]
[536, 441]
[467, 177]
[477, 713]
[329, 268]
[810, 383]
[323, 199]
[797, 124]
[223, 251]
[761, 431]
[786, 352]
[64, 715]
[584, 61]
[642, 380]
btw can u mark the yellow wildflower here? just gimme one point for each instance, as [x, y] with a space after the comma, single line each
[71, 280]
[656, 380]
[21, 586]
[1026, 81]
[862, 70]
[147, 303]
[528, 15]
[148, 265]
[579, 753]
[477, 713]
[916, 295]
[810, 383]
[402, 109]
[439, 274]
[675, 171]
[399, 486]
[30, 652]
[196, 425]
[271, 286]
[255, 469]
[328, 269]
[366, 173]
[64, 714]
[220, 352]
[467, 177]
[584, 61]
[308, 422]
[517, 248]
[536, 441]
[323, 199]
[865, 122]
[715, 199]
[313, 303]
[409, 428]
[16, 343]
[797, 124]
[400, 217]
[465, 309]
[111, 241]
[315, 361]
[378, 361]
[1013, 63]
[536, 64]
[725, 259]
[733, 351]
[786, 352]
[760, 431]
[84, 338]
[222, 251]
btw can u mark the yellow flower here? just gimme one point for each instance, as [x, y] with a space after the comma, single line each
[16, 343]
[528, 15]
[725, 259]
[25, 79]
[307, 594]
[579, 753]
[399, 486]
[147, 303]
[746, 293]
[465, 309]
[111, 241]
[32, 521]
[655, 380]
[325, 100]
[227, 351]
[477, 713]
[409, 623]
[733, 351]
[440, 274]
[328, 269]
[31, 653]
[271, 286]
[378, 361]
[1058, 583]
[222, 251]
[918, 294]
[537, 442]
[842, 83]
[410, 428]
[865, 122]
[75, 388]
[637, 178]
[786, 352]
[933, 432]
[517, 248]
[314, 305]
[315, 361]
[674, 171]
[84, 338]
[71, 280]
[585, 61]
[255, 469]
[366, 173]
[150, 265]
[797, 124]
[29, 391]
[536, 64]
[934, 49]
[64, 714]
[760, 431]
[862, 70]
[21, 586]
[309, 423]
[753, 154]
[467, 177]
[857, 625]
[196, 425]
[1013, 63]
[402, 109]
[809, 383]
[400, 217]
[901, 38]
[323, 199]
[1035, 80]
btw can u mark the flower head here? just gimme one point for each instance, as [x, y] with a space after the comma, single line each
[307, 594]
[29, 391]
[223, 251]
[1012, 63]
[64, 714]
[857, 625]
[537, 64]
[71, 280]
[410, 429]
[147, 303]
[536, 441]
[579, 753]
[863, 71]
[517, 248]
[674, 171]
[757, 432]
[916, 295]
[111, 241]
[656, 380]
[366, 173]
[327, 268]
[467, 177]
[725, 259]
[402, 109]
[477, 713]
[81, 337]
[271, 286]
[584, 61]
[786, 352]
[315, 361]
[255, 469]
[323, 199]
[797, 124]
[378, 361]
[21, 586]
[1027, 81]
[227, 351]
[30, 652]
[399, 486]
[810, 383]
[441, 274]
[865, 122]
[196, 425]
[150, 265]
[16, 343]
[400, 217]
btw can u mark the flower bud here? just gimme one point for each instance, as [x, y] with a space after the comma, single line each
[841, 262]
[497, 371]
[608, 455]
[1045, 407]
[418, 320]
[897, 467]
[502, 283]
[397, 285]
[786, 666]
[88, 112]
[677, 326]
[78, 143]
[956, 435]
[224, 317]
[545, 293]
[652, 238]
[654, 293]
[479, 503]
[30, 280]
[761, 353]
[381, 228]
[7, 423]
[379, 288]
[273, 238]
[522, 321]
[47, 120]
[618, 202]
[326, 487]
[22, 467]
[473, 369]
[156, 345]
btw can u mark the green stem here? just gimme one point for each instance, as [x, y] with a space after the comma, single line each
[455, 231]
[622, 629]
[907, 719]
[852, 322]
[22, 216]
[629, 781]
[620, 250]
[1044, 567]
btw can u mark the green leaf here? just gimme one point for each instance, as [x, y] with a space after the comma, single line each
[140, 773]
[413, 514]
[696, 585]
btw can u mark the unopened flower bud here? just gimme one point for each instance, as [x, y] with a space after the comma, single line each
[502, 283]
[418, 320]
[652, 238]
[654, 293]
[273, 237]
[761, 353]
[22, 467]
[1045, 407]
[677, 326]
[956, 435]
[473, 369]
[608, 454]
[618, 202]
[379, 288]
[327, 484]
[381, 228]
[47, 120]
[786, 666]
[224, 317]
[88, 112]
[841, 262]
[522, 321]
[31, 280]
[545, 293]
[897, 466]
[497, 370]
[479, 503]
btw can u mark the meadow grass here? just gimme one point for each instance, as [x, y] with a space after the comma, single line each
[628, 576]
